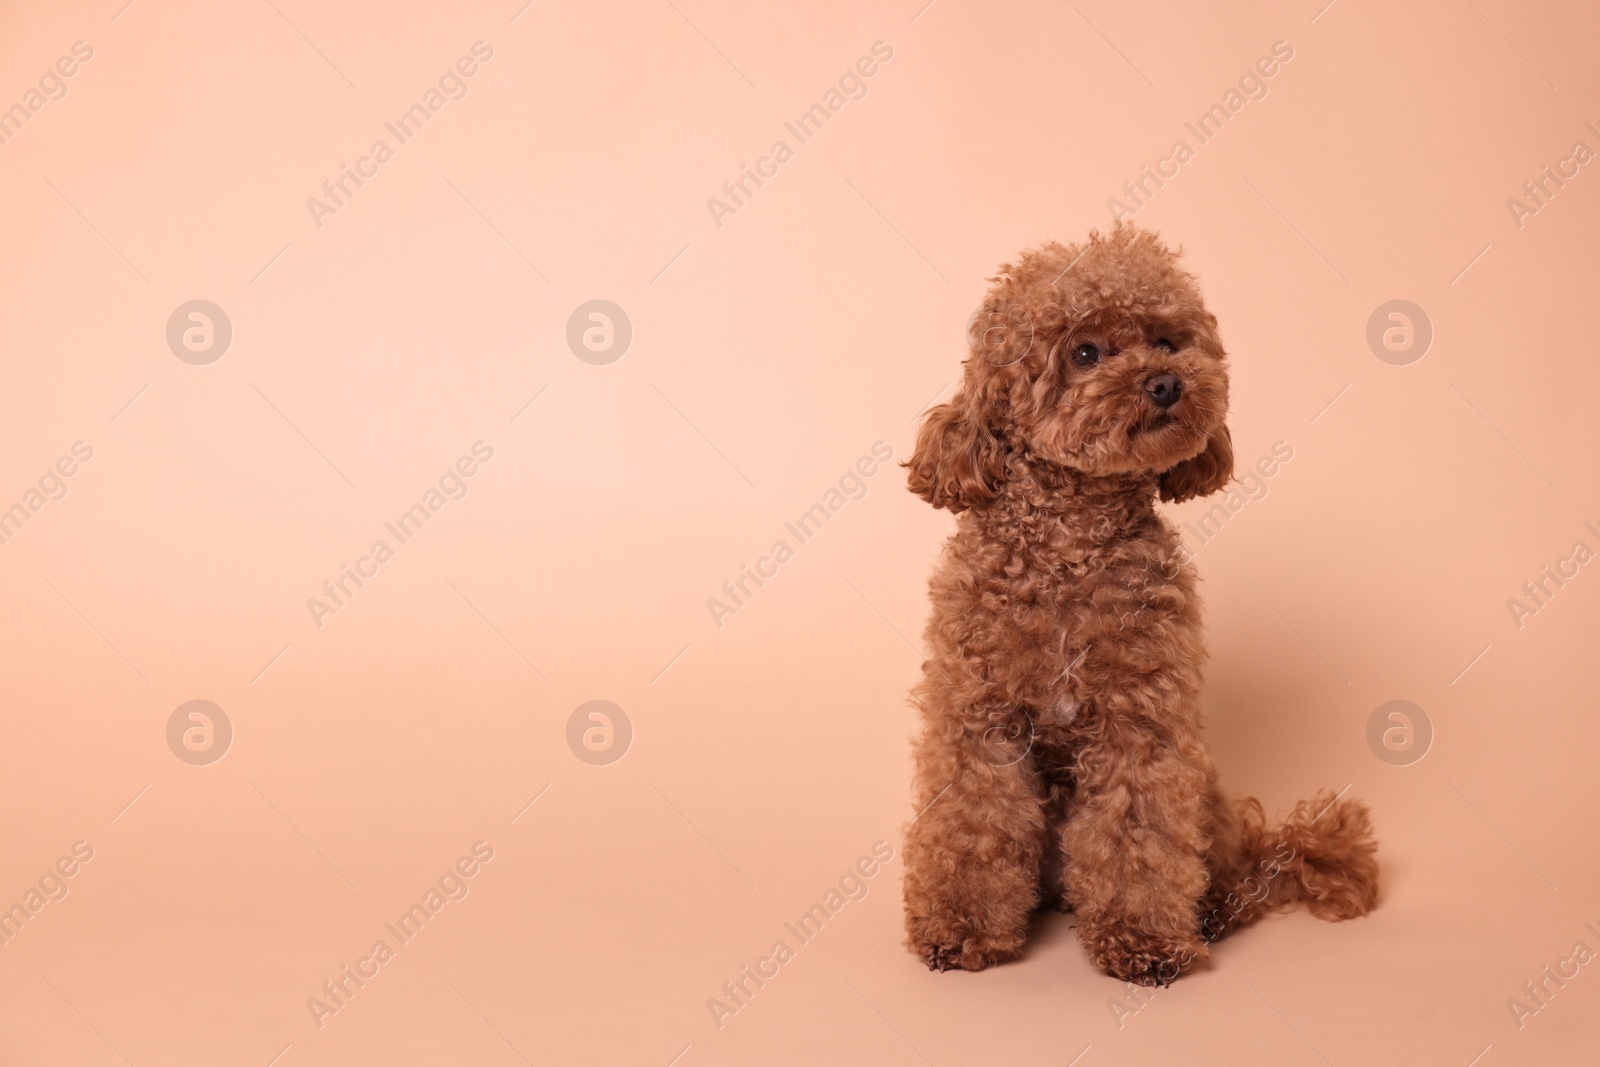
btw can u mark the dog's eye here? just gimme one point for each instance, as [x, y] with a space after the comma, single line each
[1165, 345]
[1086, 355]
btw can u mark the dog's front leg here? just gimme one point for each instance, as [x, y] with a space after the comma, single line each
[1136, 835]
[972, 853]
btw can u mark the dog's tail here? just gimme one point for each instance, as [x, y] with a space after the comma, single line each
[1323, 855]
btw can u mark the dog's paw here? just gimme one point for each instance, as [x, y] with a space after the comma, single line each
[943, 958]
[967, 955]
[1147, 961]
[955, 946]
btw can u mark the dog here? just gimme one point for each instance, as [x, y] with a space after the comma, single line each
[1061, 758]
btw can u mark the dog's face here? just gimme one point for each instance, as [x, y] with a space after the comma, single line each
[1100, 357]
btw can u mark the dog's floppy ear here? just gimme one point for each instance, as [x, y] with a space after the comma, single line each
[959, 461]
[1204, 474]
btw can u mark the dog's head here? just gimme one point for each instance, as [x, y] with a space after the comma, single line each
[1100, 357]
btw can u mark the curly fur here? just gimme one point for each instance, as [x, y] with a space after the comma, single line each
[1061, 758]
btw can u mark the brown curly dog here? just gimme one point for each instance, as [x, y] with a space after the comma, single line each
[1061, 758]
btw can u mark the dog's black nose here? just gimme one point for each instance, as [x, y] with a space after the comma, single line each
[1164, 389]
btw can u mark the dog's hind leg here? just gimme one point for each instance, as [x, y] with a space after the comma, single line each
[1323, 855]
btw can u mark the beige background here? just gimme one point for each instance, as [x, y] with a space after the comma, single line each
[767, 356]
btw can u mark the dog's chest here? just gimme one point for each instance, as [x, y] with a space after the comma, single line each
[1060, 712]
